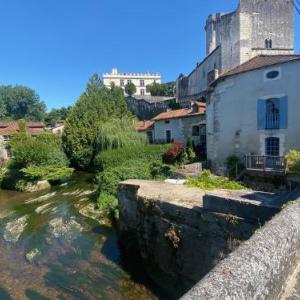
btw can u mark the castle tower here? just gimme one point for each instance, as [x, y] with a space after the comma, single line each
[266, 27]
[256, 27]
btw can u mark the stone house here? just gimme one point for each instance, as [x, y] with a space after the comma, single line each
[256, 27]
[253, 110]
[147, 128]
[147, 107]
[9, 128]
[180, 125]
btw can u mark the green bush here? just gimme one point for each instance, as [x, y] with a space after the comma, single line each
[45, 149]
[208, 181]
[108, 204]
[52, 173]
[293, 161]
[116, 157]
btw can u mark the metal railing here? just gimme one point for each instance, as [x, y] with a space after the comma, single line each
[272, 121]
[265, 163]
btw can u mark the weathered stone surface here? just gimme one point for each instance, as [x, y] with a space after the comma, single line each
[39, 186]
[177, 240]
[259, 268]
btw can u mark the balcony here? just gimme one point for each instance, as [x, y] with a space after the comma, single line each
[274, 164]
[272, 121]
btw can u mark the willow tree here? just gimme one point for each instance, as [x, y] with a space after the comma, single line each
[98, 121]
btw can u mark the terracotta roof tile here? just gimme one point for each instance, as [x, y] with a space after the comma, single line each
[11, 127]
[143, 125]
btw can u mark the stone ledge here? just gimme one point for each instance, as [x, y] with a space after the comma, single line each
[259, 268]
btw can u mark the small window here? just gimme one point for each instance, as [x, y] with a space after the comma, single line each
[196, 130]
[272, 74]
[142, 83]
[167, 122]
[142, 92]
[122, 83]
[268, 44]
[272, 146]
[128, 81]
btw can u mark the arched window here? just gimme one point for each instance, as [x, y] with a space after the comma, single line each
[268, 44]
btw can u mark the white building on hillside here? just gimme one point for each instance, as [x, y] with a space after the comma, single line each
[139, 80]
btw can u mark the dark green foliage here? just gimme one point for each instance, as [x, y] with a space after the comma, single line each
[116, 157]
[56, 115]
[163, 89]
[108, 204]
[99, 121]
[130, 89]
[234, 166]
[20, 102]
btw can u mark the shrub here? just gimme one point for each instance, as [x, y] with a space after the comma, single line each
[108, 204]
[174, 153]
[52, 173]
[207, 181]
[293, 161]
[116, 157]
[159, 170]
[234, 166]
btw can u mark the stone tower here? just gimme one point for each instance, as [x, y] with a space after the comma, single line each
[256, 27]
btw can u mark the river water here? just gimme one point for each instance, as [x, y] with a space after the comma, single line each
[53, 245]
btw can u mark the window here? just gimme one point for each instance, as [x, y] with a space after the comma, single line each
[142, 92]
[142, 83]
[167, 122]
[122, 83]
[272, 74]
[168, 136]
[196, 130]
[128, 81]
[272, 113]
[272, 146]
[268, 44]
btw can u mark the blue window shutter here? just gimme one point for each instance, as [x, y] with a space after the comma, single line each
[283, 113]
[261, 114]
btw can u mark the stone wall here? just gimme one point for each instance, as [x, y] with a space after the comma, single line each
[260, 267]
[176, 239]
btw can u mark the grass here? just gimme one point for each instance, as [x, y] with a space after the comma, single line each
[207, 181]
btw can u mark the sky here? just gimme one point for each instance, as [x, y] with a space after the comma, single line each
[54, 46]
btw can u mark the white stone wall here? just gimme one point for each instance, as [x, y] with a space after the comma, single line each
[136, 79]
[232, 113]
[181, 129]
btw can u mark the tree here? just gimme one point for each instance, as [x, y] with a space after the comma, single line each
[164, 89]
[20, 102]
[98, 121]
[130, 89]
[56, 115]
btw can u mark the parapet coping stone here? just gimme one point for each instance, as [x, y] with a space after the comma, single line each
[259, 268]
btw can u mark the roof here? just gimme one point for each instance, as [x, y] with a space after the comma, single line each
[143, 125]
[153, 99]
[259, 62]
[11, 127]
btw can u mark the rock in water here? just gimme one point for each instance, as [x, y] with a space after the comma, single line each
[14, 229]
[32, 254]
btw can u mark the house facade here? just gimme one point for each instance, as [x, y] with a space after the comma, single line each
[147, 107]
[254, 110]
[256, 27]
[140, 80]
[181, 125]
